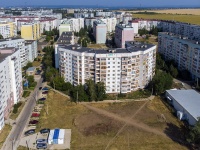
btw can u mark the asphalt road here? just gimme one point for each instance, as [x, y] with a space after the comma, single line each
[13, 138]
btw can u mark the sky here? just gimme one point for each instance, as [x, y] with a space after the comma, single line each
[132, 3]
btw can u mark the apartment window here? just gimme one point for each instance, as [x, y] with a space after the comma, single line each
[108, 62]
[108, 66]
[108, 58]
[113, 58]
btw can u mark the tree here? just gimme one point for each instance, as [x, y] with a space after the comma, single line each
[1, 37]
[173, 71]
[29, 64]
[100, 91]
[194, 133]
[90, 90]
[161, 82]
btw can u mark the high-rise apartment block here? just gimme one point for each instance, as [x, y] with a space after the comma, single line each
[123, 33]
[10, 81]
[30, 31]
[8, 29]
[99, 31]
[122, 70]
[27, 53]
[185, 52]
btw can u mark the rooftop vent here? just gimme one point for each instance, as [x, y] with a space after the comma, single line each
[197, 42]
[73, 48]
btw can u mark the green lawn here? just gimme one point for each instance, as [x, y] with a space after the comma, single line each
[4, 133]
[193, 19]
[26, 94]
[14, 116]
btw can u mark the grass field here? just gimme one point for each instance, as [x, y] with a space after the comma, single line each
[22, 148]
[175, 11]
[193, 19]
[26, 94]
[93, 131]
[4, 133]
[14, 116]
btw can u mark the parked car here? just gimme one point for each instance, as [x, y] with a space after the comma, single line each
[40, 88]
[33, 122]
[45, 92]
[41, 146]
[45, 89]
[45, 130]
[35, 115]
[41, 141]
[29, 132]
[42, 99]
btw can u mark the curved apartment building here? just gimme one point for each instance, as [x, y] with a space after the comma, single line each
[122, 70]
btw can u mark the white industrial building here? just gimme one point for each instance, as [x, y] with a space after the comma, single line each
[10, 81]
[122, 70]
[186, 103]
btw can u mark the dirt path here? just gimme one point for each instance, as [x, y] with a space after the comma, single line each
[127, 121]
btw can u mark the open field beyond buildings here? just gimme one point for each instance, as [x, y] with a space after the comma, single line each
[193, 19]
[91, 130]
[174, 11]
[4, 133]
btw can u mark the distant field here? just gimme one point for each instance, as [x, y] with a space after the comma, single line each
[193, 19]
[176, 11]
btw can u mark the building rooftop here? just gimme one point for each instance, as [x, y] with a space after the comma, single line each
[9, 39]
[3, 56]
[123, 26]
[65, 38]
[31, 69]
[99, 22]
[188, 99]
[172, 35]
[130, 48]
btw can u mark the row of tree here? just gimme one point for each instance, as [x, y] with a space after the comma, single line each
[153, 31]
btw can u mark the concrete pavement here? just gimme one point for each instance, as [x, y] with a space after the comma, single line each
[12, 141]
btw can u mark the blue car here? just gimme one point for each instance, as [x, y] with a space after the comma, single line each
[41, 141]
[42, 99]
[41, 146]
[45, 89]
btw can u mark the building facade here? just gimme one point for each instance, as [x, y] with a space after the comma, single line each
[123, 33]
[75, 24]
[8, 29]
[11, 81]
[99, 31]
[31, 31]
[31, 48]
[185, 52]
[17, 43]
[122, 70]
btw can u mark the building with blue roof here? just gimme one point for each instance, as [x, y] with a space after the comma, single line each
[186, 103]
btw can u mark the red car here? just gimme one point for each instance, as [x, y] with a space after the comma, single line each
[35, 115]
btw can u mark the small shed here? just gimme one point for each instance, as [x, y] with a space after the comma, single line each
[186, 103]
[31, 71]
[61, 137]
[50, 138]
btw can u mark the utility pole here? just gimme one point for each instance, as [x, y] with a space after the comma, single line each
[77, 98]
